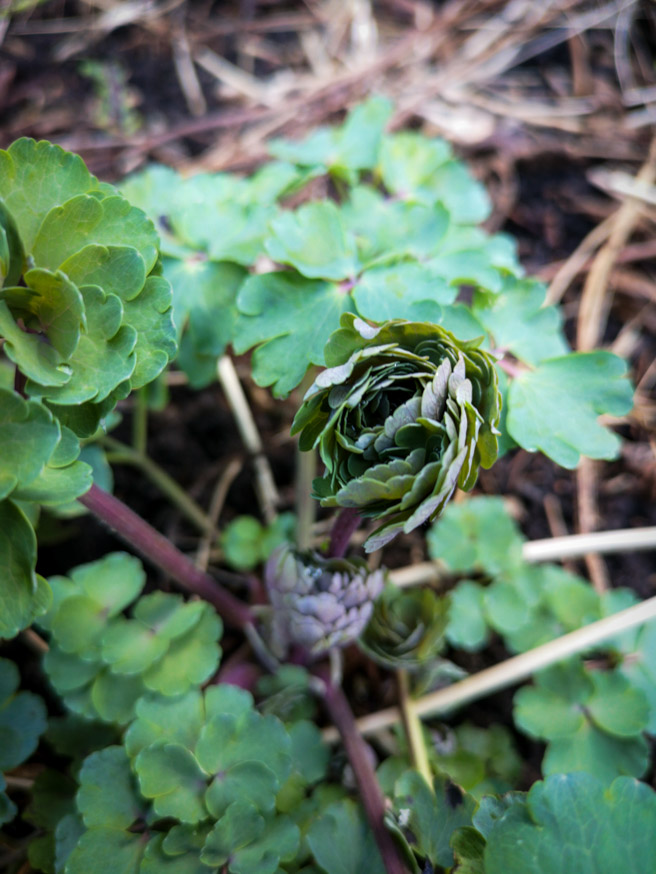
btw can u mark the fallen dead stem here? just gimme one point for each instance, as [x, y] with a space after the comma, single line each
[550, 549]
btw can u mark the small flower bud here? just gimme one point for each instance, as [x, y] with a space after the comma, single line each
[319, 602]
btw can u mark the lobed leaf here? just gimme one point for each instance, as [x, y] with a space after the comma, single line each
[554, 408]
[23, 594]
[573, 823]
[289, 319]
[341, 840]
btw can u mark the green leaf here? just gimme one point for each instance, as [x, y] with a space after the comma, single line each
[176, 719]
[517, 321]
[252, 782]
[76, 737]
[229, 741]
[67, 834]
[240, 541]
[104, 356]
[84, 221]
[404, 291]
[313, 239]
[68, 672]
[157, 860]
[554, 408]
[22, 719]
[29, 435]
[150, 315]
[433, 817]
[184, 837]
[170, 775]
[11, 249]
[353, 146]
[572, 823]
[114, 697]
[310, 755]
[100, 590]
[481, 760]
[8, 809]
[468, 849]
[616, 707]
[414, 166]
[248, 843]
[107, 797]
[543, 713]
[168, 616]
[97, 469]
[508, 606]
[248, 753]
[52, 798]
[33, 177]
[156, 190]
[228, 231]
[289, 319]
[98, 845]
[386, 230]
[467, 628]
[603, 755]
[204, 294]
[51, 304]
[558, 708]
[37, 360]
[477, 534]
[342, 842]
[224, 699]
[191, 658]
[469, 255]
[118, 270]
[23, 594]
[57, 485]
[639, 667]
[130, 647]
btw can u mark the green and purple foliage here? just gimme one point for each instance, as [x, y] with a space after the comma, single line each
[152, 761]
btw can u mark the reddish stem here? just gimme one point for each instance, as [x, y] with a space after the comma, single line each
[155, 547]
[372, 797]
[512, 368]
[347, 521]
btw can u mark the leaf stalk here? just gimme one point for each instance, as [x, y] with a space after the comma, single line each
[161, 552]
[371, 795]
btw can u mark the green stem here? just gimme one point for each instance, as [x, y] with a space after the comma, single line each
[122, 454]
[306, 505]
[413, 728]
[140, 421]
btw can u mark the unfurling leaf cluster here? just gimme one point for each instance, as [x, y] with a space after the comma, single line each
[403, 415]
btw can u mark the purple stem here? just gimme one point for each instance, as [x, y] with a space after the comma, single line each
[345, 524]
[155, 547]
[372, 797]
[511, 368]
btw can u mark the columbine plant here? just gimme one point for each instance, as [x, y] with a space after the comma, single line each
[173, 769]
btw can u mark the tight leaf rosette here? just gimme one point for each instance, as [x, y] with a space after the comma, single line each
[319, 603]
[407, 628]
[404, 413]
